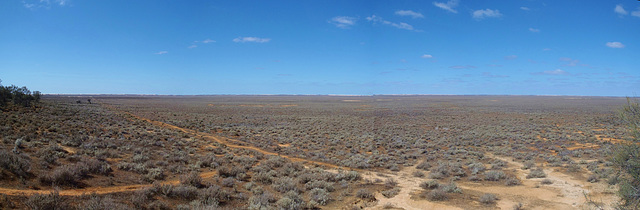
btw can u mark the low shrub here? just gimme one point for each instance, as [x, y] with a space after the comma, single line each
[191, 179]
[488, 198]
[319, 196]
[52, 200]
[64, 175]
[390, 193]
[593, 178]
[17, 164]
[364, 194]
[429, 185]
[512, 181]
[96, 202]
[284, 184]
[450, 188]
[390, 183]
[436, 195]
[536, 173]
[494, 175]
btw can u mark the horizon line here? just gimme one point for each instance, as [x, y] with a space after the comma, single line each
[334, 95]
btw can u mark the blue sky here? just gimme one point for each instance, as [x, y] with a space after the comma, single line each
[516, 47]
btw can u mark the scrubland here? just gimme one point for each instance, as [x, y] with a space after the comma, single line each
[306, 152]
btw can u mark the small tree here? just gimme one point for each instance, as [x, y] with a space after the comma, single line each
[36, 96]
[627, 157]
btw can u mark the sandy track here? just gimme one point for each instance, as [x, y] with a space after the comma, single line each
[566, 192]
[409, 185]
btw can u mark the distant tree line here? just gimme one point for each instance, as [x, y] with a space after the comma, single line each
[19, 96]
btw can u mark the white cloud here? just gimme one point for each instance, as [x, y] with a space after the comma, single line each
[620, 10]
[510, 57]
[343, 21]
[636, 13]
[401, 25]
[535, 30]
[426, 56]
[409, 13]
[480, 14]
[525, 8]
[193, 46]
[447, 6]
[251, 39]
[615, 45]
[208, 41]
[161, 52]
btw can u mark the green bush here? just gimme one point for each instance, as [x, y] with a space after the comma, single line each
[626, 157]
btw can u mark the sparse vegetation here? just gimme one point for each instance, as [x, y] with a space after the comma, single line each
[291, 157]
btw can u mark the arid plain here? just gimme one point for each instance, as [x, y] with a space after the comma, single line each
[295, 152]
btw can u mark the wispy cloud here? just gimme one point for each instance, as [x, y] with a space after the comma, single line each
[426, 56]
[462, 67]
[620, 10]
[570, 62]
[161, 52]
[525, 8]
[409, 13]
[481, 14]
[510, 57]
[490, 75]
[400, 25]
[34, 4]
[553, 72]
[343, 21]
[534, 30]
[447, 6]
[206, 41]
[615, 45]
[251, 39]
